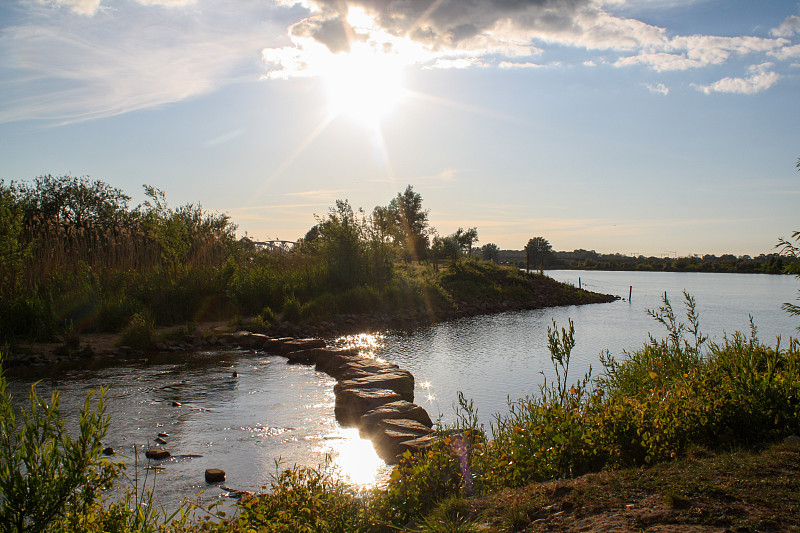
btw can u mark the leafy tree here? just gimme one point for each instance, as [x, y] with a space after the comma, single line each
[177, 230]
[412, 222]
[490, 252]
[465, 239]
[13, 250]
[538, 252]
[75, 200]
[340, 240]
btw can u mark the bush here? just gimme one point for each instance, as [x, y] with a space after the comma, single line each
[139, 333]
[45, 474]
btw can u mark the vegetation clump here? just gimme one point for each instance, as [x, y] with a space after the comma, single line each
[77, 259]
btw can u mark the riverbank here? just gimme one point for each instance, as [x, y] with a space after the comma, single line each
[704, 491]
[463, 289]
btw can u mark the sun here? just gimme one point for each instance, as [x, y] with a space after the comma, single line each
[364, 85]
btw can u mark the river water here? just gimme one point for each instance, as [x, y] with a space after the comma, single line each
[273, 412]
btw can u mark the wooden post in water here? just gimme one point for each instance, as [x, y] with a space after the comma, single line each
[579, 282]
[630, 292]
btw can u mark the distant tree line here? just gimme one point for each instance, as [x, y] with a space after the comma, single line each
[591, 260]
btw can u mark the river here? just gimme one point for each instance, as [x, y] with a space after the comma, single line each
[272, 412]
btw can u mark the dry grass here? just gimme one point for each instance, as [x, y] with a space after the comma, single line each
[738, 491]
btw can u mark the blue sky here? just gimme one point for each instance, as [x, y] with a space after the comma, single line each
[632, 126]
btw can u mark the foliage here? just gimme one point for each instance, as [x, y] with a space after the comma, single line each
[791, 250]
[538, 252]
[411, 229]
[46, 474]
[490, 252]
[139, 333]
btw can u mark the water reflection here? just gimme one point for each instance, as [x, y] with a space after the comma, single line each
[368, 344]
[355, 458]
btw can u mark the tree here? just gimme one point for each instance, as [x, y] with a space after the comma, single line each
[411, 222]
[75, 200]
[538, 251]
[341, 242]
[465, 238]
[490, 252]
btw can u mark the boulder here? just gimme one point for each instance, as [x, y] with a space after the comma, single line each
[301, 344]
[273, 345]
[351, 404]
[330, 360]
[394, 410]
[400, 382]
[366, 367]
[388, 444]
[302, 357]
[214, 475]
[415, 445]
[247, 339]
[405, 425]
[157, 453]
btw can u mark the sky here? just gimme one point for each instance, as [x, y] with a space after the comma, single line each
[631, 126]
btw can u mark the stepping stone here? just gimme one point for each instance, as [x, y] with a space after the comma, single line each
[351, 404]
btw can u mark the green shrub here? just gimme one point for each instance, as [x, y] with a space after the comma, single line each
[292, 310]
[46, 474]
[139, 333]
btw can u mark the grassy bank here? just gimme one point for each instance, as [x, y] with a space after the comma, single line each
[76, 259]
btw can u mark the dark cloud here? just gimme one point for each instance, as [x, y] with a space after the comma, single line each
[332, 32]
[439, 23]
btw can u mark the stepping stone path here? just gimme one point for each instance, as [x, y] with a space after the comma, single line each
[374, 396]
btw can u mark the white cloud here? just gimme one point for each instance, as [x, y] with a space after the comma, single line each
[460, 63]
[787, 52]
[515, 65]
[81, 7]
[660, 61]
[91, 7]
[118, 61]
[789, 27]
[761, 79]
[658, 88]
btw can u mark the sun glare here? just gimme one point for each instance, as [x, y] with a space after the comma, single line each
[364, 85]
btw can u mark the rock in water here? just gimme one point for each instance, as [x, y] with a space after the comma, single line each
[394, 410]
[214, 475]
[351, 404]
[401, 382]
[156, 453]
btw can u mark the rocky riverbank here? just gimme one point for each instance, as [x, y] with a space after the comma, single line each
[538, 292]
